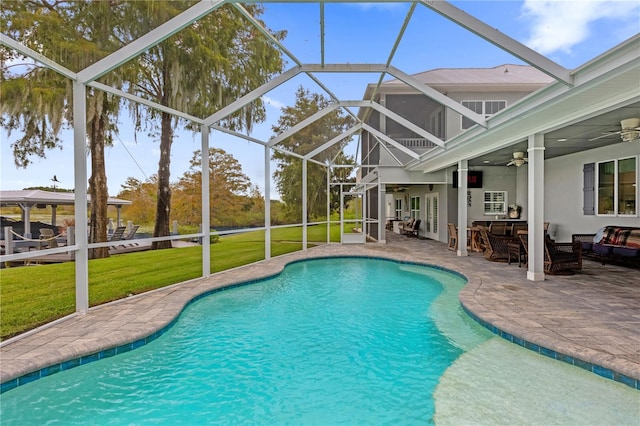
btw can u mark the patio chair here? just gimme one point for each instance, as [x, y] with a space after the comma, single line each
[47, 236]
[131, 233]
[118, 234]
[498, 228]
[453, 237]
[516, 227]
[413, 231]
[562, 257]
[407, 224]
[496, 247]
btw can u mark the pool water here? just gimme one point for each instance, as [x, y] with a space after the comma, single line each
[332, 341]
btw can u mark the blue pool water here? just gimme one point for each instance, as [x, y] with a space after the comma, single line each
[333, 341]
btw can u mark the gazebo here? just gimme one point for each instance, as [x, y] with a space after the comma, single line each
[27, 199]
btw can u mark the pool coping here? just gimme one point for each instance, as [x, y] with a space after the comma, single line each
[27, 370]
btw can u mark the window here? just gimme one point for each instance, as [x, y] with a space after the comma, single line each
[495, 202]
[398, 208]
[617, 187]
[415, 207]
[485, 108]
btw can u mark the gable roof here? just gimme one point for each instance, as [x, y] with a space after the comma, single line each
[38, 196]
[501, 74]
[501, 78]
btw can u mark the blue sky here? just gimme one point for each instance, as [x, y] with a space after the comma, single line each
[568, 32]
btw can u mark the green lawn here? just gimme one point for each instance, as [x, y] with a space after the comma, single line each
[35, 295]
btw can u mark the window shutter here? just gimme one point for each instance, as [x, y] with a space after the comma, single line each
[589, 189]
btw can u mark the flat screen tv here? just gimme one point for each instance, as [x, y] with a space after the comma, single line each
[474, 179]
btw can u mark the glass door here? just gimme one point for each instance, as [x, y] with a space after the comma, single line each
[352, 218]
[431, 216]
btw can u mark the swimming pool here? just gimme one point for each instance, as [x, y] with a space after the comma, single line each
[250, 356]
[327, 341]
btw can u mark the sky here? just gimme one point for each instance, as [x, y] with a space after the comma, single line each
[568, 32]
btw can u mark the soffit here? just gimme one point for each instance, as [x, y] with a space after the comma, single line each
[577, 114]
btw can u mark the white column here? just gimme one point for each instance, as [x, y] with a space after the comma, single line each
[328, 204]
[463, 172]
[536, 207]
[304, 204]
[53, 214]
[382, 212]
[267, 202]
[206, 202]
[26, 218]
[80, 195]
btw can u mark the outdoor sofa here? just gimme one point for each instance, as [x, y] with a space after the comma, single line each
[615, 244]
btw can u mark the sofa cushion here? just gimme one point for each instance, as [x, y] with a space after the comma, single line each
[626, 251]
[599, 235]
[602, 249]
[633, 238]
[608, 235]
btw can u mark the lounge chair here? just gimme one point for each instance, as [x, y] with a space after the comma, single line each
[453, 237]
[131, 233]
[118, 234]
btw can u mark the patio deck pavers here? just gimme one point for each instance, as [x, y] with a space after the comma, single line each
[593, 315]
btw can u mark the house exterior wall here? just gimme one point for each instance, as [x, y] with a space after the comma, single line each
[453, 121]
[564, 196]
[494, 178]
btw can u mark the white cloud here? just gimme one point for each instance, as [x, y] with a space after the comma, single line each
[378, 6]
[272, 102]
[558, 25]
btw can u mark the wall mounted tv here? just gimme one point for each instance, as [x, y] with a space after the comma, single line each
[474, 179]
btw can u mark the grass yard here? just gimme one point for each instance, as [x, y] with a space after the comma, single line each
[35, 295]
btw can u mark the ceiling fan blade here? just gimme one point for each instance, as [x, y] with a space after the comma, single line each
[606, 135]
[511, 163]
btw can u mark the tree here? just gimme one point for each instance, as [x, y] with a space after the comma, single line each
[143, 199]
[198, 70]
[234, 199]
[288, 174]
[38, 100]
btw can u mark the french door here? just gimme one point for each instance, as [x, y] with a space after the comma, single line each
[432, 210]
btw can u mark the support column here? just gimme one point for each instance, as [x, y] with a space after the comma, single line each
[267, 202]
[382, 212]
[463, 172]
[536, 207]
[328, 204]
[26, 219]
[206, 202]
[80, 195]
[304, 204]
[54, 219]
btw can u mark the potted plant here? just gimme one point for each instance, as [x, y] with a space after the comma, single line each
[514, 211]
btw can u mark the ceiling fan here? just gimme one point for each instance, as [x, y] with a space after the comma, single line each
[630, 130]
[518, 159]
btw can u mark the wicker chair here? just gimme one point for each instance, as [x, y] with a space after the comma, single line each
[558, 257]
[499, 228]
[561, 257]
[496, 247]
